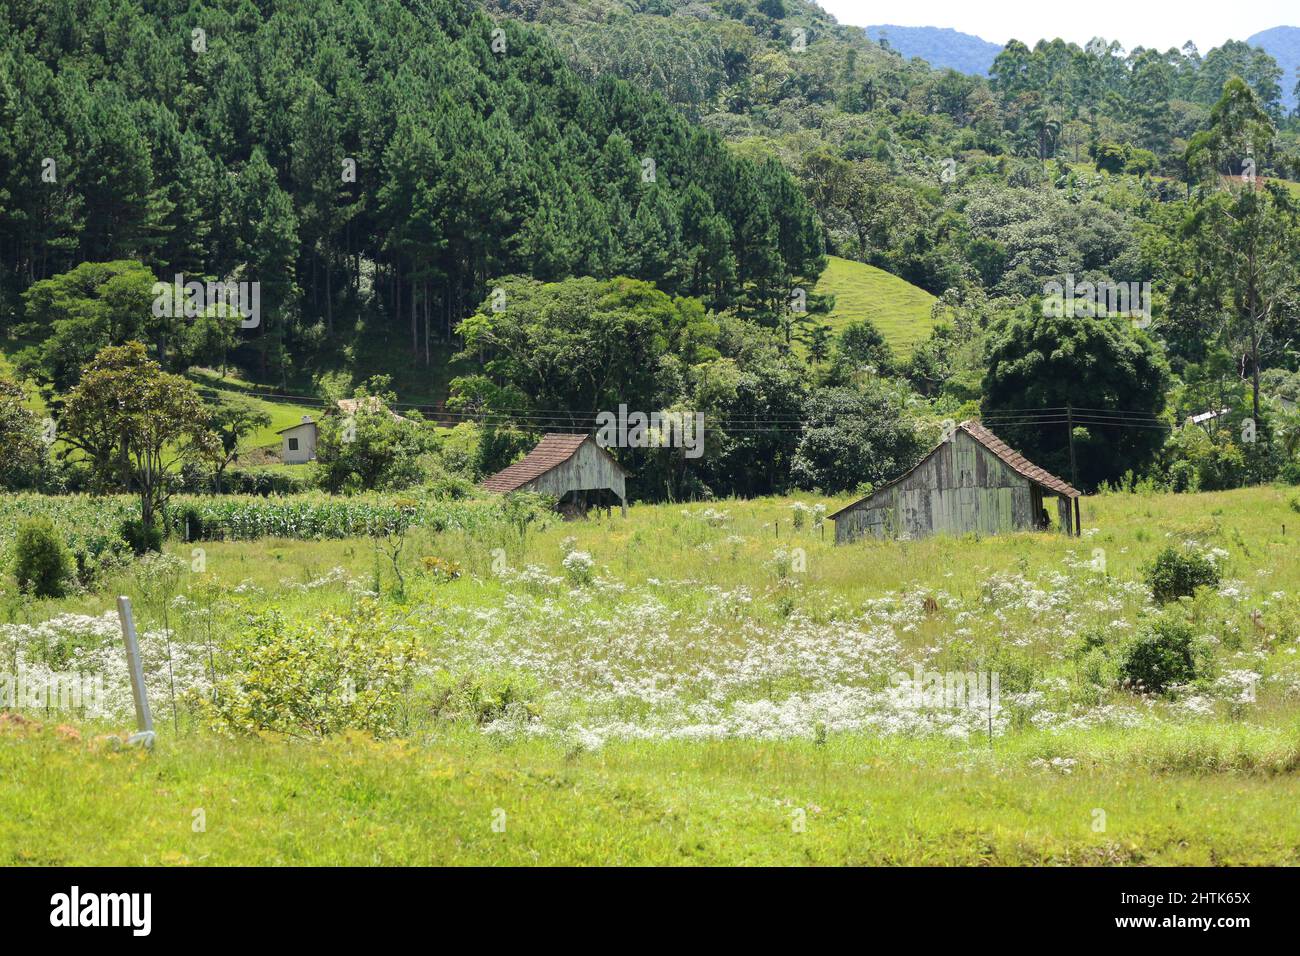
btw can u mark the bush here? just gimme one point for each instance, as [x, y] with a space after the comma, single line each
[1163, 653]
[43, 564]
[579, 565]
[450, 488]
[186, 522]
[1178, 572]
[318, 678]
[484, 698]
[98, 553]
[269, 481]
[140, 539]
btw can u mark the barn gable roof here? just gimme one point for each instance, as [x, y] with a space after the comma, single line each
[1018, 462]
[1010, 457]
[553, 450]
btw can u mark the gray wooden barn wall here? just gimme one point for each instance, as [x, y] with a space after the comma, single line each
[961, 487]
[588, 469]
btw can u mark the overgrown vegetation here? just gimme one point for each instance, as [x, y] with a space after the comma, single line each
[681, 639]
[42, 564]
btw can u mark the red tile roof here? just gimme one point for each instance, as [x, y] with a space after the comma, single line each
[554, 449]
[1013, 459]
[1017, 461]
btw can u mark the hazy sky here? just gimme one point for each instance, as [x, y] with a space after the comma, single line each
[1151, 23]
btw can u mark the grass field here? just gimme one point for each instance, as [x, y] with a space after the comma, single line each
[897, 308]
[465, 800]
[712, 686]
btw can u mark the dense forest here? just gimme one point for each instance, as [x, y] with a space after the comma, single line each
[385, 159]
[553, 208]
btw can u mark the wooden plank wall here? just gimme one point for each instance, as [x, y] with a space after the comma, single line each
[960, 487]
[588, 469]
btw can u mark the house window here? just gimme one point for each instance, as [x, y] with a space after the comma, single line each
[293, 444]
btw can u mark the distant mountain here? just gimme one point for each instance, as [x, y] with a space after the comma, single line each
[1283, 45]
[939, 46]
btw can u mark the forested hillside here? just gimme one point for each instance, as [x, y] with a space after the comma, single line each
[528, 212]
[382, 160]
[905, 163]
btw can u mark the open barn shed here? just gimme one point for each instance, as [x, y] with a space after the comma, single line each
[970, 481]
[573, 468]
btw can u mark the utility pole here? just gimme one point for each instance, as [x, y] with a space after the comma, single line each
[1074, 468]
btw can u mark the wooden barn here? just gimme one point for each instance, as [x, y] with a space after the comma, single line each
[970, 481]
[573, 468]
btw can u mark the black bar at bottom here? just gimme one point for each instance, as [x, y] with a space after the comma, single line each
[336, 906]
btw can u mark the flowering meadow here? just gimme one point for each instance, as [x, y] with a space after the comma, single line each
[715, 664]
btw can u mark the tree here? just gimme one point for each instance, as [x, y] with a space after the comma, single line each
[137, 424]
[370, 446]
[1039, 362]
[860, 351]
[22, 452]
[851, 436]
[233, 419]
[74, 315]
[1245, 235]
[750, 399]
[578, 347]
[1245, 240]
[1239, 135]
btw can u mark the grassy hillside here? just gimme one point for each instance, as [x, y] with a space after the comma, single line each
[899, 309]
[283, 413]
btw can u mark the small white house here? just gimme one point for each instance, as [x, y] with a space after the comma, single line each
[298, 442]
[1205, 417]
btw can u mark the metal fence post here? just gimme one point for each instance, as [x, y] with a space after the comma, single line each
[143, 719]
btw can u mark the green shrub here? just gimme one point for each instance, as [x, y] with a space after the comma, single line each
[1178, 572]
[43, 564]
[484, 698]
[1090, 639]
[140, 539]
[1164, 652]
[450, 488]
[268, 481]
[316, 678]
[186, 523]
[98, 553]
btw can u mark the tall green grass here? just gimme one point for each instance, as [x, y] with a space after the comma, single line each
[458, 800]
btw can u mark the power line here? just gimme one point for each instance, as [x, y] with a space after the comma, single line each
[547, 418]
